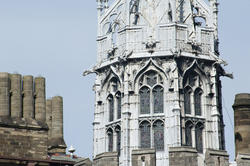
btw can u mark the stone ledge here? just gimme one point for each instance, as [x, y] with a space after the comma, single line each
[182, 149]
[143, 151]
[214, 152]
[22, 123]
[106, 155]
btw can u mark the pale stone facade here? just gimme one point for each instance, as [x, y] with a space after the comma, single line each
[158, 82]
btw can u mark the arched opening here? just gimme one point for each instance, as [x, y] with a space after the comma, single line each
[197, 101]
[118, 139]
[119, 104]
[145, 136]
[188, 133]
[187, 100]
[144, 100]
[111, 108]
[158, 99]
[199, 137]
[200, 21]
[158, 129]
[110, 140]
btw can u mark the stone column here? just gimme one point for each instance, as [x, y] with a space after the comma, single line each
[49, 116]
[16, 95]
[4, 94]
[40, 104]
[28, 97]
[242, 123]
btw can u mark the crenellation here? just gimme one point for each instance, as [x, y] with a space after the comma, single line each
[40, 99]
[4, 94]
[16, 95]
[28, 97]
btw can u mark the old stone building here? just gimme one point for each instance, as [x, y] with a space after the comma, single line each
[158, 88]
[31, 127]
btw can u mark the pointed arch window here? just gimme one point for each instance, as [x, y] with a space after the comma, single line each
[158, 99]
[188, 133]
[118, 139]
[119, 105]
[187, 101]
[111, 108]
[145, 135]
[144, 100]
[199, 137]
[110, 140]
[158, 130]
[197, 101]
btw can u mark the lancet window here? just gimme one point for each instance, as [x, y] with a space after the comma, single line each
[118, 139]
[114, 100]
[152, 135]
[199, 137]
[110, 140]
[158, 129]
[145, 132]
[151, 93]
[193, 95]
[188, 133]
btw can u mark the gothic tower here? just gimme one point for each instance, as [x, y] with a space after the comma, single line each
[158, 89]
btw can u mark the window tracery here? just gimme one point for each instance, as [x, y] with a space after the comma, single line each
[118, 139]
[187, 102]
[188, 133]
[197, 101]
[151, 89]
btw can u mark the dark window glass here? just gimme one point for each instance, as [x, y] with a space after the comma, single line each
[118, 143]
[151, 78]
[188, 133]
[145, 100]
[197, 101]
[158, 99]
[158, 128]
[110, 140]
[187, 105]
[145, 135]
[111, 108]
[198, 137]
[119, 105]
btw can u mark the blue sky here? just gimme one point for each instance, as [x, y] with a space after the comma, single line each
[56, 39]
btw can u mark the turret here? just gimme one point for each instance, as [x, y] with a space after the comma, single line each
[57, 144]
[28, 97]
[4, 94]
[241, 108]
[16, 95]
[40, 101]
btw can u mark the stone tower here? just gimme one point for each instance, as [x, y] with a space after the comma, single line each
[158, 88]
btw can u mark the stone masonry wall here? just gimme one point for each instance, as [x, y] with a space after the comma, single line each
[23, 143]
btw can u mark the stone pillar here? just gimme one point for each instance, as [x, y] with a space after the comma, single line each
[16, 95]
[49, 116]
[4, 94]
[242, 123]
[40, 104]
[28, 97]
[57, 144]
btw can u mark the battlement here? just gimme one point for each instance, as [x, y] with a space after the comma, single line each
[30, 126]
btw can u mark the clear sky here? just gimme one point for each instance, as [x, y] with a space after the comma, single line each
[56, 39]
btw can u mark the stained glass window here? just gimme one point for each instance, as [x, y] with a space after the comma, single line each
[187, 105]
[111, 108]
[119, 105]
[158, 129]
[199, 137]
[110, 140]
[145, 134]
[188, 133]
[158, 99]
[118, 140]
[197, 101]
[145, 100]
